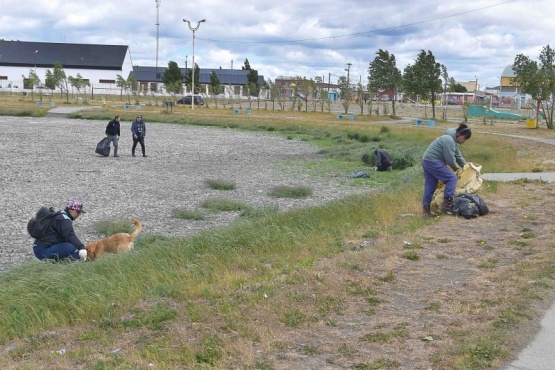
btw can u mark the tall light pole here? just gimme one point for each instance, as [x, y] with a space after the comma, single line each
[193, 74]
[36, 52]
[157, 36]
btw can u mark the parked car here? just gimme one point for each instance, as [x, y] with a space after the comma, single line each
[187, 100]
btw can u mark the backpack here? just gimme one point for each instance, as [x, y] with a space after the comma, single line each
[469, 206]
[38, 226]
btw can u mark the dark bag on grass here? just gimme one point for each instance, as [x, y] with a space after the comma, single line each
[38, 226]
[103, 147]
[469, 206]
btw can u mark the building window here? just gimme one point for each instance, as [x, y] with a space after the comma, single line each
[3, 77]
[107, 81]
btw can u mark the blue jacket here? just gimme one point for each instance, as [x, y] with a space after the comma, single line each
[138, 127]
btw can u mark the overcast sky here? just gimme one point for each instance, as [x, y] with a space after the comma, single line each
[473, 39]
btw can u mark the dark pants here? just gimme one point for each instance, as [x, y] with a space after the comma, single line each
[140, 140]
[56, 252]
[434, 171]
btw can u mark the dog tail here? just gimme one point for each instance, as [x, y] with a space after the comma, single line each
[138, 227]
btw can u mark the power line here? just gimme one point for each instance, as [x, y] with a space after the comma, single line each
[362, 33]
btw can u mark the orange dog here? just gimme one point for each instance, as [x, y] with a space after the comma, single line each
[117, 243]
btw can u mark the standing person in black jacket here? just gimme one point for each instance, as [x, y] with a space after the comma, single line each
[113, 133]
[60, 242]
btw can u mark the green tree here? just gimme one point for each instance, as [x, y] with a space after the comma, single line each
[34, 81]
[189, 79]
[215, 86]
[253, 87]
[173, 79]
[360, 97]
[128, 86]
[79, 83]
[423, 78]
[306, 88]
[57, 78]
[384, 74]
[459, 88]
[346, 92]
[538, 80]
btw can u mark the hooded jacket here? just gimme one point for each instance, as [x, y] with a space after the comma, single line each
[445, 149]
[60, 231]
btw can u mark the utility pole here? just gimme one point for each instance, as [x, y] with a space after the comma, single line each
[157, 38]
[476, 90]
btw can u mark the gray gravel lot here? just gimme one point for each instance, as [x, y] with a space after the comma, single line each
[48, 161]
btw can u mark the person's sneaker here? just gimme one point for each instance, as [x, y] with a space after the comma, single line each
[144, 155]
[426, 212]
[115, 155]
[447, 206]
[132, 155]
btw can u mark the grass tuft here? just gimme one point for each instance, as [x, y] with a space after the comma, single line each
[220, 184]
[290, 192]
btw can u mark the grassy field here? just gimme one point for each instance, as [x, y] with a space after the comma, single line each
[238, 297]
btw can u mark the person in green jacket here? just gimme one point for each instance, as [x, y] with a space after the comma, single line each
[439, 161]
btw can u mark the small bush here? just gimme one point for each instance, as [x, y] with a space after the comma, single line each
[188, 215]
[290, 192]
[219, 184]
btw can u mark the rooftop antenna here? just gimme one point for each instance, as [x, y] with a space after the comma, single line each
[157, 36]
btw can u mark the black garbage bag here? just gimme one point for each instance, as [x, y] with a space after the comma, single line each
[469, 206]
[103, 147]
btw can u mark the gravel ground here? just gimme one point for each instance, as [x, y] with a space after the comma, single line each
[48, 161]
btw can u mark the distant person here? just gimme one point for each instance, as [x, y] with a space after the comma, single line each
[113, 133]
[60, 241]
[439, 161]
[384, 160]
[138, 130]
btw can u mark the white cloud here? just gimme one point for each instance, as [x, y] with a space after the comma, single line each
[298, 37]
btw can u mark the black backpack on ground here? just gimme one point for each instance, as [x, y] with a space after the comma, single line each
[469, 206]
[103, 147]
[38, 226]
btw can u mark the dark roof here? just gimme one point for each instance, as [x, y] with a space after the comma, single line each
[226, 76]
[77, 56]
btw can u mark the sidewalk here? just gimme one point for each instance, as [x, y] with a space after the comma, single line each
[544, 176]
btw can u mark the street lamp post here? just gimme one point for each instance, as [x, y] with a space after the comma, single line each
[157, 38]
[193, 74]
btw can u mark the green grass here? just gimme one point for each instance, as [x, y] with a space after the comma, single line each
[284, 191]
[185, 214]
[220, 184]
[211, 282]
[224, 205]
[110, 227]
